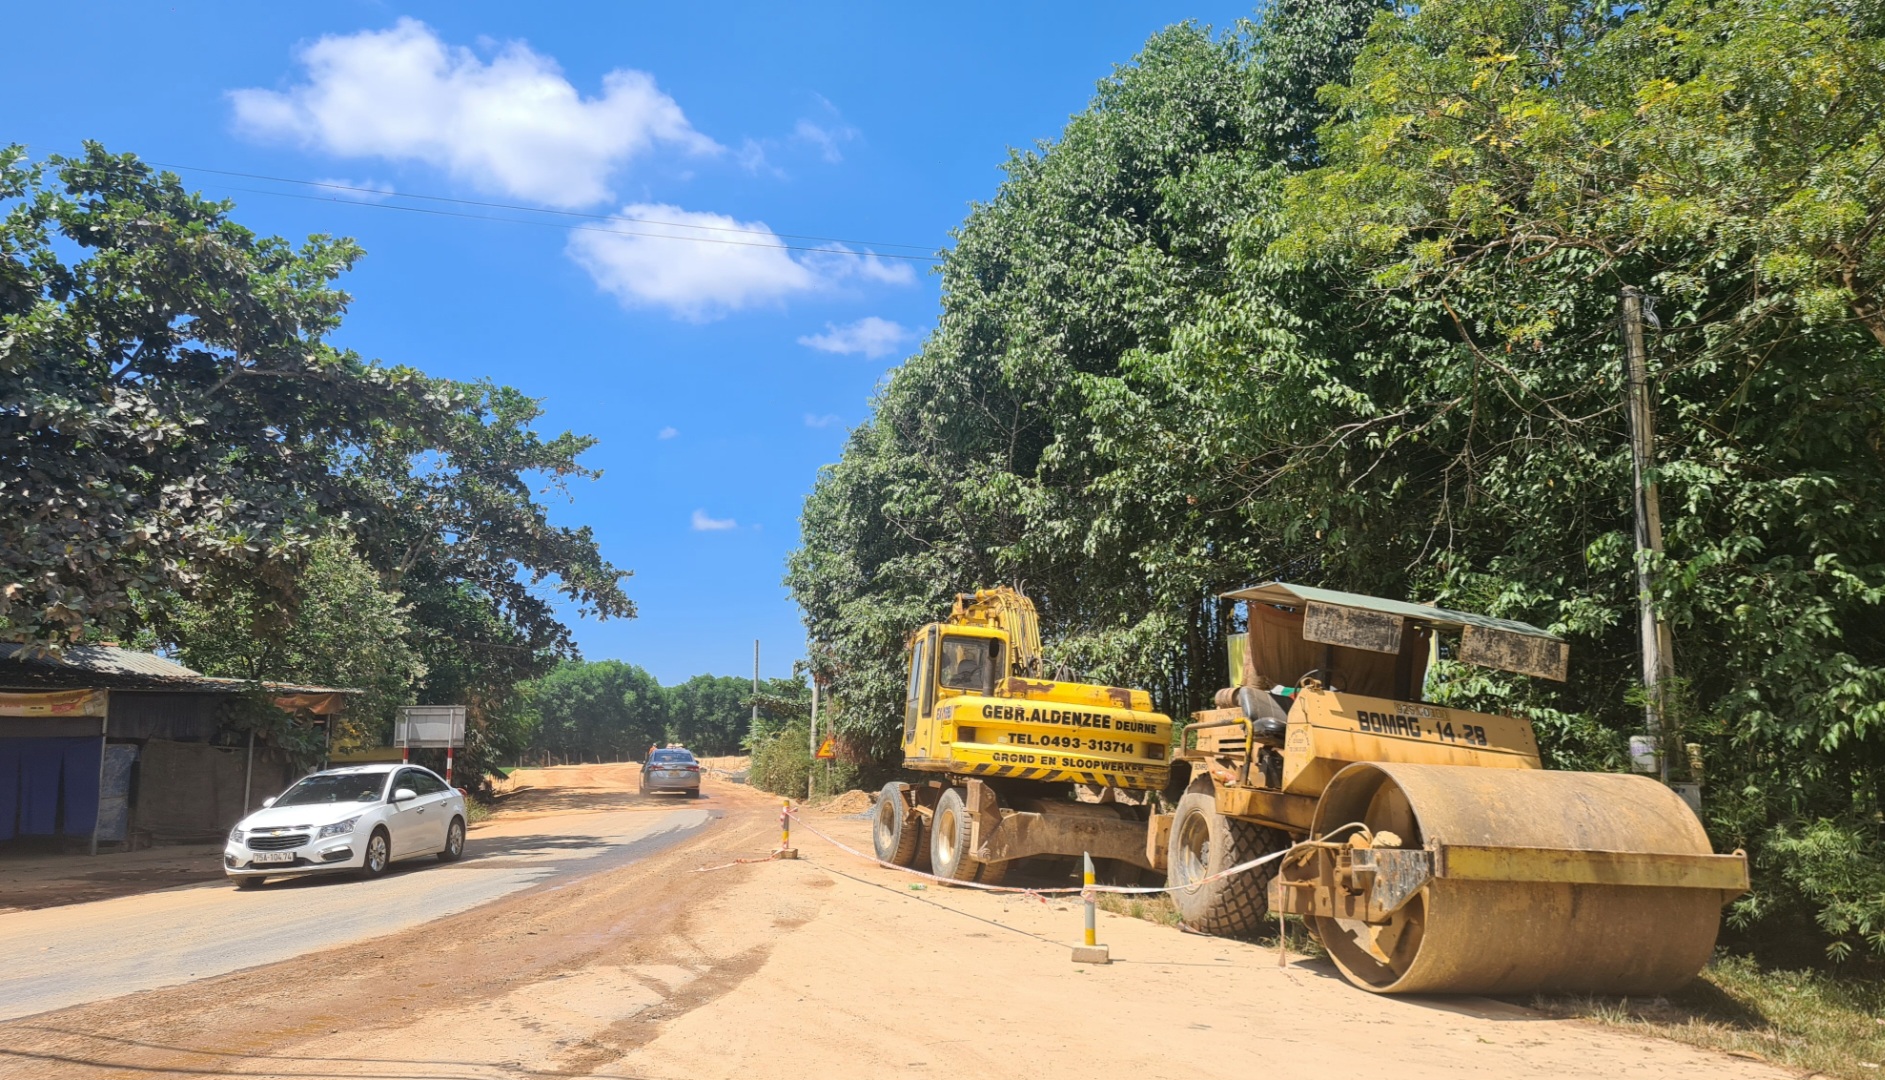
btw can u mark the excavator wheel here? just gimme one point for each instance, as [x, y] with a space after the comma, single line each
[896, 830]
[949, 844]
[1205, 842]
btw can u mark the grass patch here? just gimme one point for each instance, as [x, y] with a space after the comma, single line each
[476, 811]
[1152, 907]
[1801, 1019]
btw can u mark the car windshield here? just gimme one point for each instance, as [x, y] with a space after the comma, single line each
[670, 757]
[334, 788]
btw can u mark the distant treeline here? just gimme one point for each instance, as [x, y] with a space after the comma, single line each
[612, 710]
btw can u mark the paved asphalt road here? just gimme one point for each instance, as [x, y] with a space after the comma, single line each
[57, 957]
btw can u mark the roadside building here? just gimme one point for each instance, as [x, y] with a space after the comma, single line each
[110, 746]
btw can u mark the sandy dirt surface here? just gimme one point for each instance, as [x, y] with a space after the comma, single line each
[826, 966]
[39, 881]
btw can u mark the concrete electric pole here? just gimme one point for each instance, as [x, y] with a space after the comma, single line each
[1658, 665]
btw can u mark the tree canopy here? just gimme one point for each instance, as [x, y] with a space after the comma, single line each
[1332, 297]
[612, 710]
[184, 454]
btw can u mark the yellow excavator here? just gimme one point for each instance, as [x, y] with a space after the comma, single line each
[1425, 846]
[1026, 765]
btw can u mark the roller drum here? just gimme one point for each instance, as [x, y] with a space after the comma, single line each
[1515, 937]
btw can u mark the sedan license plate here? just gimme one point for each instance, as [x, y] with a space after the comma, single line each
[272, 857]
[673, 775]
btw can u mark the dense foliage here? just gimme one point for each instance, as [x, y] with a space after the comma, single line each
[604, 709]
[347, 631]
[611, 711]
[1333, 298]
[184, 455]
[711, 713]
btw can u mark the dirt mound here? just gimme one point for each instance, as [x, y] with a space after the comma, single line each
[851, 802]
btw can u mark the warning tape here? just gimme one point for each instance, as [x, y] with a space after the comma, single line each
[1082, 890]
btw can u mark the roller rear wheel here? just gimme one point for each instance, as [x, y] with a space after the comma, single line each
[1205, 842]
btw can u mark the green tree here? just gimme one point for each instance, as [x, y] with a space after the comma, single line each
[711, 713]
[348, 631]
[1496, 172]
[1015, 448]
[175, 427]
[172, 419]
[603, 708]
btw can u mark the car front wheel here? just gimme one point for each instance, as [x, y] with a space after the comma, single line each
[379, 854]
[454, 841]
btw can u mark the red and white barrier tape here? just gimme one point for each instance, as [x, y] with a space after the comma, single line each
[1240, 868]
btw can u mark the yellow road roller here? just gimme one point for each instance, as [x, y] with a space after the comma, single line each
[1429, 851]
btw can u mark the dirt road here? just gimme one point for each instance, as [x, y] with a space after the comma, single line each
[822, 967]
[86, 952]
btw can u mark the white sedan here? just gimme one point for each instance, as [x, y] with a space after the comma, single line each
[362, 818]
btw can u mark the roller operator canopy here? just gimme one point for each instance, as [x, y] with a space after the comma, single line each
[1371, 623]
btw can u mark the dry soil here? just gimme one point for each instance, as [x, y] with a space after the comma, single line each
[825, 966]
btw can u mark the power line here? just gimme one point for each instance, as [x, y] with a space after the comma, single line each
[330, 185]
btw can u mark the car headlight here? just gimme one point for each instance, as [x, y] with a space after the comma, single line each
[336, 829]
[235, 836]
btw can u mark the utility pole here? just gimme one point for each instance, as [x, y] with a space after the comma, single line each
[755, 682]
[811, 762]
[1658, 666]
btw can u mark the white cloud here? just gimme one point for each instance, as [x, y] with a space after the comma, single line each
[826, 138]
[668, 433]
[701, 265]
[752, 157]
[825, 421]
[703, 523]
[869, 336]
[512, 125]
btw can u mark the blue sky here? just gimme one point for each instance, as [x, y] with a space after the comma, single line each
[718, 376]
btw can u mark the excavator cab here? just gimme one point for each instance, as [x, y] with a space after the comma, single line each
[945, 662]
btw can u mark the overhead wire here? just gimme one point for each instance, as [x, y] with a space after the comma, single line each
[869, 246]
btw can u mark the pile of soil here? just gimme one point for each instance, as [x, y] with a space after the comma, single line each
[851, 802]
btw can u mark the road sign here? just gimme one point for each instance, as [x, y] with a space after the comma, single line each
[421, 726]
[828, 749]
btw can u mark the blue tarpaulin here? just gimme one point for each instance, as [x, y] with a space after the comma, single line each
[9, 787]
[41, 762]
[81, 786]
[48, 787]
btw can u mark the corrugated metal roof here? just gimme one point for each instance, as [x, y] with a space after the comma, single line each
[1283, 593]
[105, 660]
[110, 667]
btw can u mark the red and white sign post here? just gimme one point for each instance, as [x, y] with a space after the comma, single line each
[434, 726]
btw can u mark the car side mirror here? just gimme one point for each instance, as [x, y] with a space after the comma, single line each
[404, 794]
[268, 802]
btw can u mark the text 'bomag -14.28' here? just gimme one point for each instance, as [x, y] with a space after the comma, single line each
[1428, 850]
